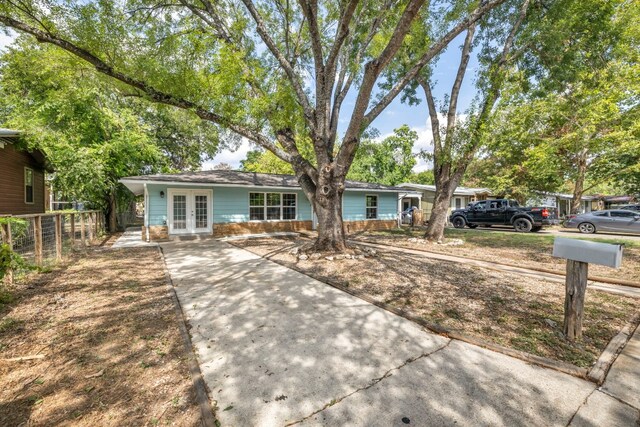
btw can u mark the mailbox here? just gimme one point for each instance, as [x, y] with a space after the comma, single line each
[589, 252]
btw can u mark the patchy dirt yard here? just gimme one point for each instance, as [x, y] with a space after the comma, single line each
[523, 250]
[524, 314]
[106, 345]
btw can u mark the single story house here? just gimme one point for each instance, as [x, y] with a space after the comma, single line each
[22, 172]
[462, 196]
[562, 202]
[225, 202]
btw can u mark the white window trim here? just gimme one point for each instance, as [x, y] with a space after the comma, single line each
[370, 207]
[265, 206]
[24, 186]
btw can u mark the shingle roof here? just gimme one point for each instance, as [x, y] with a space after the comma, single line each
[249, 179]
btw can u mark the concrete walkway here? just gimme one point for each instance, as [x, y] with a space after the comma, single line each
[132, 238]
[277, 347]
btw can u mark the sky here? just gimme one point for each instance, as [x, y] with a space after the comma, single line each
[394, 116]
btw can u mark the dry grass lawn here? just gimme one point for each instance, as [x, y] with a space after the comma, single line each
[524, 314]
[112, 352]
[524, 250]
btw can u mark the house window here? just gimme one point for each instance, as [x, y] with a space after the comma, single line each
[458, 203]
[372, 207]
[272, 206]
[28, 185]
[256, 206]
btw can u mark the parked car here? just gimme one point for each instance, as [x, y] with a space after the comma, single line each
[504, 212]
[631, 207]
[616, 220]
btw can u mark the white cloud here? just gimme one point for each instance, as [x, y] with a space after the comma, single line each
[6, 38]
[231, 157]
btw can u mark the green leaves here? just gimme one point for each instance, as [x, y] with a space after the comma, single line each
[388, 162]
[576, 118]
[92, 133]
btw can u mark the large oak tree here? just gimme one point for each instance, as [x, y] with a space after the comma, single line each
[275, 72]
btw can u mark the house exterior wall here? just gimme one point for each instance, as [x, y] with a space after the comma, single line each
[354, 205]
[230, 211]
[12, 193]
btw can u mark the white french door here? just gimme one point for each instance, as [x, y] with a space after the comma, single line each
[189, 211]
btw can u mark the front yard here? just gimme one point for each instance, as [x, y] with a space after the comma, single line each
[523, 250]
[101, 343]
[523, 314]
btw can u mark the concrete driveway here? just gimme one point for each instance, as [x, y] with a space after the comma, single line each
[277, 347]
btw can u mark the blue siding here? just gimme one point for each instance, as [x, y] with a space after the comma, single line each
[354, 203]
[231, 204]
[157, 206]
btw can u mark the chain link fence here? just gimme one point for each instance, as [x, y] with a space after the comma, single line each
[44, 239]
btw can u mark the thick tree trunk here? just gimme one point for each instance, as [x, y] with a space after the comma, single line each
[331, 236]
[440, 211]
[112, 218]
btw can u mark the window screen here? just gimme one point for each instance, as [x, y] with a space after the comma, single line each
[372, 207]
[28, 185]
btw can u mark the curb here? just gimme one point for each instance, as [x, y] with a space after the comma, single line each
[207, 417]
[599, 371]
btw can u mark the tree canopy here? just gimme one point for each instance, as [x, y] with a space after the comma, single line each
[92, 135]
[276, 73]
[570, 119]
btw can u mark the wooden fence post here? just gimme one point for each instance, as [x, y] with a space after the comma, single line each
[58, 237]
[97, 219]
[576, 286]
[82, 230]
[73, 229]
[90, 226]
[37, 233]
[6, 238]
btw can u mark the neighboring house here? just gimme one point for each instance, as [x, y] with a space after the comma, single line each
[223, 202]
[22, 185]
[562, 202]
[462, 196]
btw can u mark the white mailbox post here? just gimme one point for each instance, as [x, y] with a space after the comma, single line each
[579, 253]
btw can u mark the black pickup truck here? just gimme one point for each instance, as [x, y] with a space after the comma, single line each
[504, 212]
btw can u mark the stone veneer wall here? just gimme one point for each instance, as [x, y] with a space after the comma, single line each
[158, 232]
[372, 224]
[234, 228]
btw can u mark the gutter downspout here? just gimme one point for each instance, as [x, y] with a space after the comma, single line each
[146, 213]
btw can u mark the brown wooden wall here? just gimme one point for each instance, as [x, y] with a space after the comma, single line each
[12, 164]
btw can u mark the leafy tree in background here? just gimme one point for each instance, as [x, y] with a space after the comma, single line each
[90, 133]
[265, 162]
[274, 72]
[387, 162]
[571, 120]
[424, 177]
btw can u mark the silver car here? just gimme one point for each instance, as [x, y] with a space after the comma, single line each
[612, 220]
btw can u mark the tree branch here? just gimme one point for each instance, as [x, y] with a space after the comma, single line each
[457, 84]
[309, 112]
[152, 93]
[428, 56]
[371, 72]
[433, 115]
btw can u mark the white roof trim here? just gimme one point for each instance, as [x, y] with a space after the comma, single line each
[136, 186]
